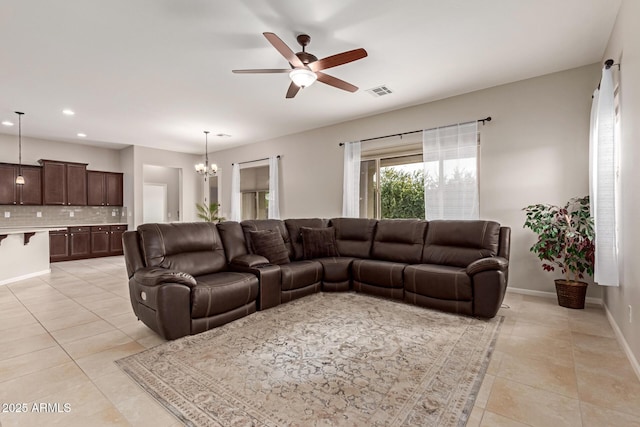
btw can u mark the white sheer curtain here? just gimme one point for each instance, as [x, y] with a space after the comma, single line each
[351, 181]
[450, 156]
[236, 207]
[603, 167]
[274, 198]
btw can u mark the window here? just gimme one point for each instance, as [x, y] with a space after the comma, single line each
[395, 177]
[254, 189]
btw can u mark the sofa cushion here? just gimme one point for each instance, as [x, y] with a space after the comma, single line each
[336, 269]
[299, 274]
[267, 224]
[378, 273]
[194, 248]
[354, 236]
[399, 240]
[459, 243]
[269, 244]
[319, 242]
[438, 281]
[222, 292]
[294, 226]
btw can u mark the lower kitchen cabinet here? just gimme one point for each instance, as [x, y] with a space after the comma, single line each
[85, 242]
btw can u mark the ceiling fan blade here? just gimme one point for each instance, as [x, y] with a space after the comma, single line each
[338, 59]
[284, 50]
[335, 82]
[293, 90]
[263, 70]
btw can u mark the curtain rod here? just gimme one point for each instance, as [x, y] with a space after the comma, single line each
[487, 119]
[608, 64]
[252, 161]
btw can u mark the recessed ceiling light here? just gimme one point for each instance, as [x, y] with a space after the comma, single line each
[82, 135]
[68, 112]
[7, 123]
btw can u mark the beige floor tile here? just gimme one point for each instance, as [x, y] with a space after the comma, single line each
[543, 349]
[142, 410]
[124, 319]
[118, 387]
[485, 391]
[66, 319]
[531, 405]
[102, 363]
[542, 374]
[138, 330]
[475, 417]
[84, 330]
[490, 419]
[16, 309]
[37, 385]
[535, 330]
[151, 341]
[26, 345]
[32, 362]
[615, 393]
[96, 343]
[597, 416]
[21, 332]
[16, 321]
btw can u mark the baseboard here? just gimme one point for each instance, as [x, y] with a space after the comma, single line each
[552, 295]
[623, 343]
[26, 276]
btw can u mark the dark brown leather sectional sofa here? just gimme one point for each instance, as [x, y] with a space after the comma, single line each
[185, 278]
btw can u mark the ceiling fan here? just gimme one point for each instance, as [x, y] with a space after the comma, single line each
[307, 68]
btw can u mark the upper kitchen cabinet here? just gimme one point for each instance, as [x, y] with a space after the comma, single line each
[29, 193]
[104, 188]
[64, 183]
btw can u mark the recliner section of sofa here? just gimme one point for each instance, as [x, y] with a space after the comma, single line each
[186, 278]
[180, 282]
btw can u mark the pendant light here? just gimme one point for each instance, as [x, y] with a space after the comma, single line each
[19, 178]
[205, 169]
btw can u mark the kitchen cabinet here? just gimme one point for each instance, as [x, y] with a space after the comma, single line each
[115, 245]
[100, 236]
[86, 242]
[29, 193]
[79, 242]
[104, 188]
[58, 245]
[64, 183]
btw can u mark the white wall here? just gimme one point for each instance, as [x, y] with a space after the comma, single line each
[171, 178]
[534, 151]
[102, 159]
[190, 182]
[624, 47]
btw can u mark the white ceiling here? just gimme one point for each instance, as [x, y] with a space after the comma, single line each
[157, 73]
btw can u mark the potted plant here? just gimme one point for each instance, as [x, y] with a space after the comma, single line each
[209, 212]
[565, 240]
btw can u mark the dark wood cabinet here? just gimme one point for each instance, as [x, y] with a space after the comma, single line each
[58, 245]
[79, 242]
[64, 183]
[116, 239]
[104, 188]
[85, 242]
[100, 245]
[29, 193]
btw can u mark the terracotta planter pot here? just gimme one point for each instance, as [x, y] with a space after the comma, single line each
[571, 294]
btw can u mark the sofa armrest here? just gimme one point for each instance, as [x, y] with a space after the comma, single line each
[249, 260]
[154, 276]
[487, 264]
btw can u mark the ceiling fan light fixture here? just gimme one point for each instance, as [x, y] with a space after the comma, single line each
[302, 77]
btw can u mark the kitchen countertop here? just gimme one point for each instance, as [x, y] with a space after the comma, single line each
[27, 228]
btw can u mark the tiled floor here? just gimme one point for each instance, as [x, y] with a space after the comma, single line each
[60, 333]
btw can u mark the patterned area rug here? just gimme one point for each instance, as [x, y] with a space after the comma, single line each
[331, 359]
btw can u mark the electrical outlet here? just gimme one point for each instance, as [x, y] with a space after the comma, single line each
[630, 314]
[72, 214]
[113, 213]
[38, 214]
[7, 214]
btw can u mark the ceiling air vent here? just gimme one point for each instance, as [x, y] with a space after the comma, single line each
[379, 91]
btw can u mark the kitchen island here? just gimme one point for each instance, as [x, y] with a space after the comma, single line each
[24, 253]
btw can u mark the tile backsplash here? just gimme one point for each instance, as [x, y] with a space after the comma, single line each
[28, 216]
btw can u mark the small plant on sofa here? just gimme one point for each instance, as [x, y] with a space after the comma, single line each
[566, 241]
[209, 213]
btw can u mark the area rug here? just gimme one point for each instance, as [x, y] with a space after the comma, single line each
[330, 359]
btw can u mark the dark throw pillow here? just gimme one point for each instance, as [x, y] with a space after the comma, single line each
[269, 244]
[319, 242]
